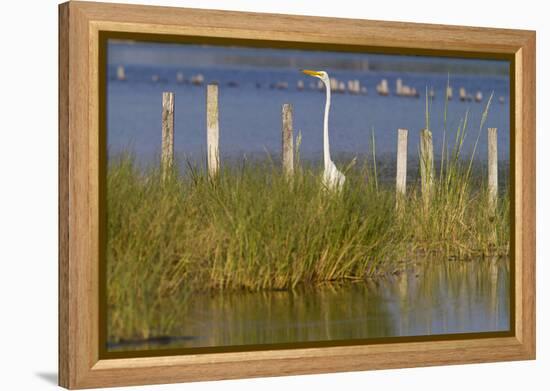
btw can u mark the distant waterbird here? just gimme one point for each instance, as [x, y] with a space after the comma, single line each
[449, 92]
[479, 96]
[281, 85]
[332, 178]
[197, 79]
[462, 94]
[341, 87]
[401, 89]
[354, 86]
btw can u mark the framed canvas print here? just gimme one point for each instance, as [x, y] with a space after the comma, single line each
[247, 195]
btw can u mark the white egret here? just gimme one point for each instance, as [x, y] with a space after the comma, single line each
[332, 178]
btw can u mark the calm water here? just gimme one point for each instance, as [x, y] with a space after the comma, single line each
[250, 117]
[429, 298]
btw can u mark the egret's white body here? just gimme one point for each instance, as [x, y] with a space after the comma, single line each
[332, 178]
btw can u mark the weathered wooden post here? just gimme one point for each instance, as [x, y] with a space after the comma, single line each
[493, 168]
[167, 157]
[426, 165]
[212, 129]
[288, 144]
[401, 175]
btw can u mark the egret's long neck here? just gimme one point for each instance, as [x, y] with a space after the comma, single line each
[326, 146]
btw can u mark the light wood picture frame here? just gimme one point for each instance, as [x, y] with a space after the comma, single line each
[80, 27]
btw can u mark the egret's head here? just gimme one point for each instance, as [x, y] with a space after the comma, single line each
[320, 74]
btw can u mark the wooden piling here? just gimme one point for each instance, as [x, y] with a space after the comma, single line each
[462, 94]
[167, 157]
[493, 168]
[449, 93]
[212, 129]
[287, 137]
[426, 165]
[401, 175]
[121, 73]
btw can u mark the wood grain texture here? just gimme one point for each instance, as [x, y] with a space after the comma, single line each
[401, 170]
[265, 26]
[426, 165]
[80, 24]
[287, 134]
[212, 130]
[401, 166]
[167, 157]
[526, 164]
[63, 178]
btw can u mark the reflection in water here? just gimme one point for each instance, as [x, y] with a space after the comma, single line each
[428, 298]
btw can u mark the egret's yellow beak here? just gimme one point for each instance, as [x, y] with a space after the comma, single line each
[311, 73]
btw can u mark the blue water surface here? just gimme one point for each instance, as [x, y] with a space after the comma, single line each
[250, 105]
